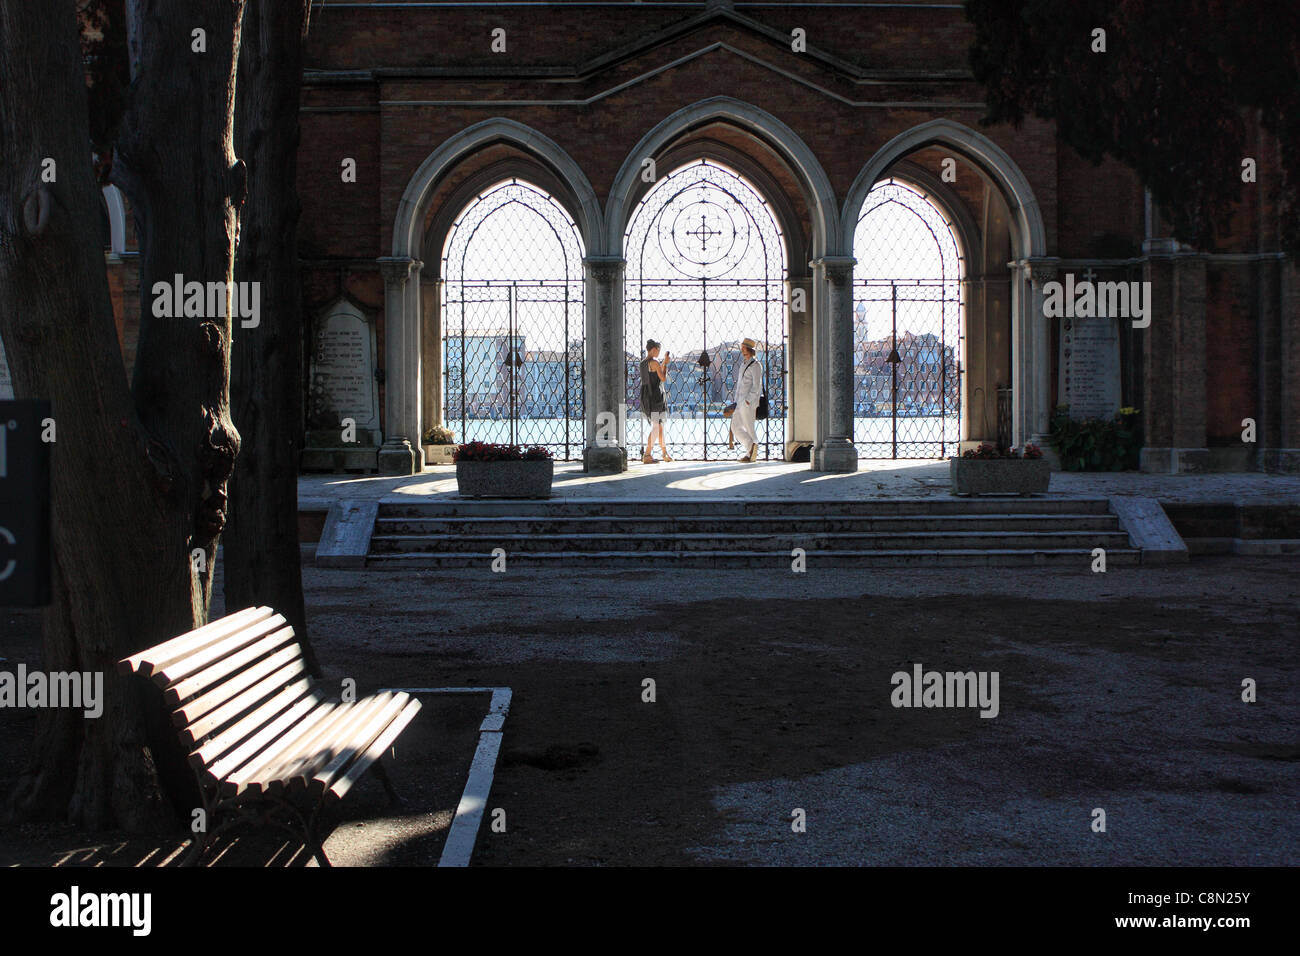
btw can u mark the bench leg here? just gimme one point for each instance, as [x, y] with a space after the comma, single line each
[394, 798]
[314, 842]
[198, 846]
[310, 832]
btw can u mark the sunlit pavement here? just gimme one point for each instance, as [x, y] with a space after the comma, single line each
[874, 479]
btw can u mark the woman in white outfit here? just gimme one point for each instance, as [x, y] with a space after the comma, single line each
[749, 386]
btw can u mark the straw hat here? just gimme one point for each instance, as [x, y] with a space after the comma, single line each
[750, 344]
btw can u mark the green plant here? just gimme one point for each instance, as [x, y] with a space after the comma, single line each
[439, 435]
[486, 451]
[1097, 444]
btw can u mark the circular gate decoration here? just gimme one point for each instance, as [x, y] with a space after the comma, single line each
[704, 232]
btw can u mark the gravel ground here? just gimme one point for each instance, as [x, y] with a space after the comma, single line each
[1118, 691]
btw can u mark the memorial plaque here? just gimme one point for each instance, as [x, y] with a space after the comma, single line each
[24, 505]
[1089, 366]
[342, 373]
[6, 382]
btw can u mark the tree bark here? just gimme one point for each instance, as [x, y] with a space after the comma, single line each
[138, 474]
[262, 558]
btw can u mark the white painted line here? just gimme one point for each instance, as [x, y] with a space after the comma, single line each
[459, 846]
[469, 814]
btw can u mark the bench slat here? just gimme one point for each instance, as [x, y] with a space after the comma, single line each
[174, 671]
[360, 740]
[231, 711]
[247, 725]
[338, 739]
[283, 736]
[226, 692]
[308, 752]
[147, 660]
[339, 788]
[205, 679]
[305, 751]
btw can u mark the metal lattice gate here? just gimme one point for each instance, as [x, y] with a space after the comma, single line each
[907, 331]
[706, 269]
[513, 323]
[498, 388]
[907, 375]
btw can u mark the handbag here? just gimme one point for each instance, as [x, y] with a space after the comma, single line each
[729, 409]
[763, 409]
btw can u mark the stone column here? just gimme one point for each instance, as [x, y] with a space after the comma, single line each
[834, 315]
[430, 354]
[1031, 357]
[1174, 411]
[1038, 395]
[401, 453]
[801, 392]
[605, 385]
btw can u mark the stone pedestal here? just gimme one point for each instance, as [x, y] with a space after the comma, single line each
[398, 457]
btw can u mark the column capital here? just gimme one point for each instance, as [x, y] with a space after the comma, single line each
[604, 267]
[398, 269]
[837, 268]
[1041, 269]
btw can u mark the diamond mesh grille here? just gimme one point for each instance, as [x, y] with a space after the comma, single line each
[705, 269]
[513, 322]
[907, 327]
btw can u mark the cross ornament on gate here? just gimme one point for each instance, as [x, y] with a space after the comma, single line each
[704, 232]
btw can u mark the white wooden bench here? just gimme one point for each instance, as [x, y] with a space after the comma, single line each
[264, 739]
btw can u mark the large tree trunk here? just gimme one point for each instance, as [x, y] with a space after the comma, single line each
[176, 163]
[138, 479]
[262, 562]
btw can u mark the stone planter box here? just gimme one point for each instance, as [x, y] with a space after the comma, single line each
[439, 454]
[505, 479]
[999, 476]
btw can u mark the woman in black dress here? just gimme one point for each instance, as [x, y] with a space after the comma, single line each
[653, 404]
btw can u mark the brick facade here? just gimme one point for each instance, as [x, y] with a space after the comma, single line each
[388, 84]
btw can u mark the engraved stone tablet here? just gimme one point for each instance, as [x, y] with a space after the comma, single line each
[1089, 366]
[342, 373]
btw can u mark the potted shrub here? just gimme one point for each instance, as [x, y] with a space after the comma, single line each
[988, 471]
[1096, 444]
[439, 445]
[503, 471]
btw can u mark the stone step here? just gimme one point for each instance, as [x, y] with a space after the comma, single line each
[744, 542]
[725, 507]
[713, 524]
[622, 560]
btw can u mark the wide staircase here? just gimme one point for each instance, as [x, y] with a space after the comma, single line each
[922, 532]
